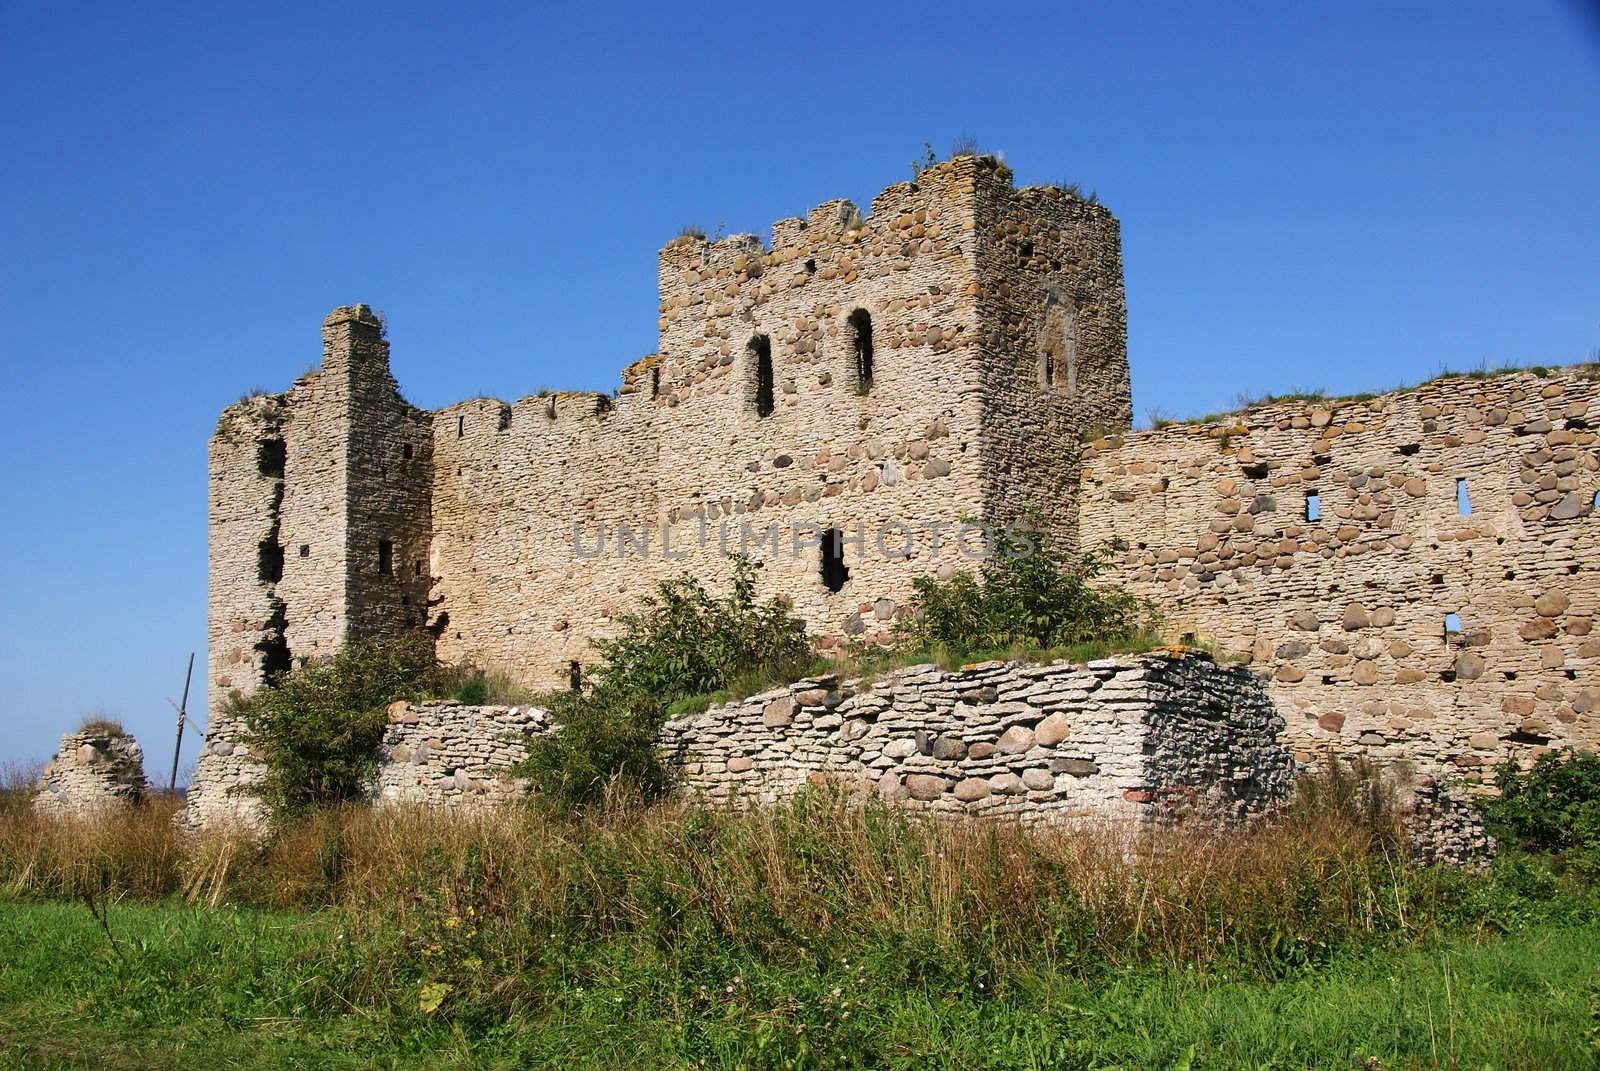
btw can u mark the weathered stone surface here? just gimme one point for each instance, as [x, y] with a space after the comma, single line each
[926, 787]
[339, 511]
[971, 789]
[1166, 721]
[778, 713]
[1052, 730]
[1014, 741]
[97, 769]
[1512, 573]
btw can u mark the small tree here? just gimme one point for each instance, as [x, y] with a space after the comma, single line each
[684, 642]
[318, 726]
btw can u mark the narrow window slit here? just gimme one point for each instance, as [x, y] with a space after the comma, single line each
[1463, 500]
[761, 350]
[861, 338]
[575, 676]
[1452, 628]
[385, 558]
[1313, 506]
[834, 572]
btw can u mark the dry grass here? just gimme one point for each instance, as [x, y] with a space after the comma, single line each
[774, 879]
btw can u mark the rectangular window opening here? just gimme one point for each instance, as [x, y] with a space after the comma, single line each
[761, 351]
[1313, 506]
[575, 676]
[416, 567]
[270, 457]
[1463, 500]
[385, 558]
[1452, 627]
[270, 563]
[406, 451]
[834, 573]
[461, 426]
[305, 550]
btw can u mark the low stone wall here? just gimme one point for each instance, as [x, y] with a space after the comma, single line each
[1131, 737]
[447, 754]
[97, 769]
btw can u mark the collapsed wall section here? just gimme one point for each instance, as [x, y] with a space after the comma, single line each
[1138, 738]
[1414, 572]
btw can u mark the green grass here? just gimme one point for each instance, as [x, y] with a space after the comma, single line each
[220, 988]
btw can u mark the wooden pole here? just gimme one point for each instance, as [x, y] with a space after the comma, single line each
[183, 707]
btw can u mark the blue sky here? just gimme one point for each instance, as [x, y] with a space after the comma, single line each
[1343, 196]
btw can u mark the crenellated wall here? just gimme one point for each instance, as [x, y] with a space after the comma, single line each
[1346, 613]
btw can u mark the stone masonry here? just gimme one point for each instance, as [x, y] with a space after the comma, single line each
[97, 769]
[1414, 573]
[1134, 737]
[446, 754]
[958, 351]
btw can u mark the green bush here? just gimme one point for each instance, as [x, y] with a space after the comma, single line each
[318, 726]
[684, 642]
[1030, 595]
[1554, 806]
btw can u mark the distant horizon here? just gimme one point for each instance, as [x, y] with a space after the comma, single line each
[1347, 199]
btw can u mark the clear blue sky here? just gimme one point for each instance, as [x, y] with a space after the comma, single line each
[1341, 196]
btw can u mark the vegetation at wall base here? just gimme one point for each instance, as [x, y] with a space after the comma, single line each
[817, 933]
[319, 726]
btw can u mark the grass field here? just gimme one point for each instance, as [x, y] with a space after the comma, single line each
[811, 934]
[220, 988]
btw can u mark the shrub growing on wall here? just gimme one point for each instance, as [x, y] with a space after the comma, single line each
[1030, 594]
[684, 642]
[318, 726]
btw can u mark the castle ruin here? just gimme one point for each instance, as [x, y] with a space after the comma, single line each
[958, 352]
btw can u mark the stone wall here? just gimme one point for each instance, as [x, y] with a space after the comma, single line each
[1133, 737]
[1347, 613]
[96, 769]
[450, 755]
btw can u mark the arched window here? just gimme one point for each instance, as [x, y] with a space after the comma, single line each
[761, 354]
[861, 347]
